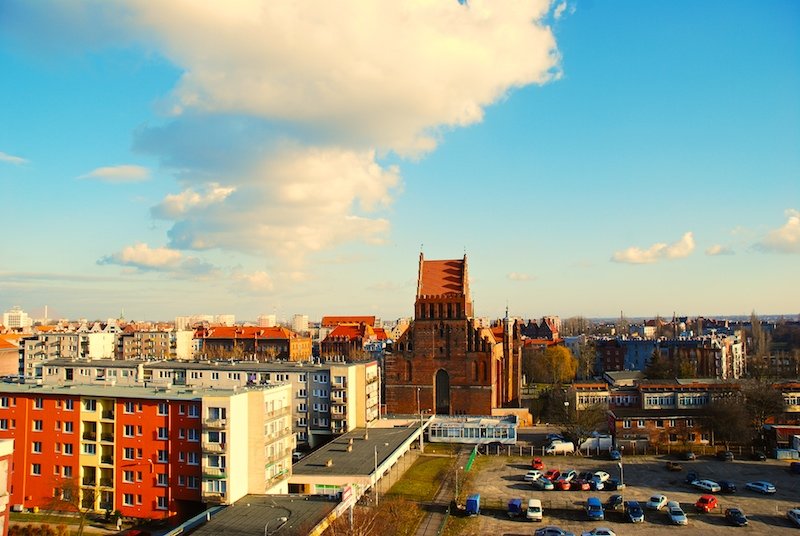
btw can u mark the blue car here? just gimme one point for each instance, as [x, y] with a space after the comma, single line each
[615, 455]
[634, 512]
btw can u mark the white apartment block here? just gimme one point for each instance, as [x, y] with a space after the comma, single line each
[300, 323]
[16, 318]
[267, 321]
[44, 347]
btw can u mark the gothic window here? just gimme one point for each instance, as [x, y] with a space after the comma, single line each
[474, 371]
[409, 370]
[431, 310]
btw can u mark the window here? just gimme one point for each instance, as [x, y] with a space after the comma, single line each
[68, 427]
[36, 469]
[193, 458]
[194, 411]
[161, 503]
[182, 433]
[181, 480]
[90, 405]
[127, 499]
[162, 433]
[37, 425]
[161, 479]
[217, 413]
[626, 423]
[216, 461]
[215, 375]
[673, 437]
[129, 407]
[36, 447]
[127, 453]
[128, 431]
[181, 456]
[3, 424]
[89, 448]
[163, 408]
[689, 422]
[194, 434]
[640, 423]
[302, 421]
[162, 456]
[194, 482]
[3, 401]
[659, 423]
[139, 429]
[127, 476]
[139, 454]
[302, 406]
[182, 409]
[216, 437]
[69, 404]
[672, 423]
[38, 403]
[302, 393]
[68, 449]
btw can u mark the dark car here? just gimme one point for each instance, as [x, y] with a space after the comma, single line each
[634, 512]
[615, 455]
[586, 475]
[691, 476]
[614, 502]
[759, 456]
[735, 517]
[725, 456]
[613, 484]
[688, 456]
[726, 486]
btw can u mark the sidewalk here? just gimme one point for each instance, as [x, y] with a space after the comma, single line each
[437, 509]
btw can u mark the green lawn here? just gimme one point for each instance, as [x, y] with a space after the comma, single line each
[422, 479]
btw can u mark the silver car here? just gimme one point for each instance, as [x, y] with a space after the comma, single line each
[676, 513]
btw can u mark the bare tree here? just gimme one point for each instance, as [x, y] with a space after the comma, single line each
[69, 497]
[727, 418]
[582, 422]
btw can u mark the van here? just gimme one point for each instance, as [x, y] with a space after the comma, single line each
[534, 512]
[594, 509]
[566, 447]
[473, 504]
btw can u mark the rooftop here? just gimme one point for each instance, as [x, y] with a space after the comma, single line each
[442, 277]
[124, 391]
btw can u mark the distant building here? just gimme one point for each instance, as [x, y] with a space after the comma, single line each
[225, 320]
[16, 319]
[266, 321]
[254, 343]
[300, 323]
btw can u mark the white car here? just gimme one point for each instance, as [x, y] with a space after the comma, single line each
[600, 531]
[602, 476]
[706, 485]
[760, 486]
[676, 513]
[532, 475]
[656, 502]
[794, 515]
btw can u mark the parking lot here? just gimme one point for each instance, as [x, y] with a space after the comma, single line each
[499, 478]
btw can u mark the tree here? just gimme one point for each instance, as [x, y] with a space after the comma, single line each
[69, 497]
[727, 418]
[555, 365]
[763, 402]
[587, 358]
[393, 516]
[582, 422]
[759, 349]
[658, 368]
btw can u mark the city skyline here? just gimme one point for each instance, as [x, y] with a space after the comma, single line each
[189, 158]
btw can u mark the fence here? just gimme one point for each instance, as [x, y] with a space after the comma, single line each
[627, 448]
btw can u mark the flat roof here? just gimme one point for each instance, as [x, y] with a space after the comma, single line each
[126, 391]
[250, 515]
[361, 460]
[270, 366]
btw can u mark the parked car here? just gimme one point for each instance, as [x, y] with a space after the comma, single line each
[542, 484]
[473, 507]
[613, 484]
[688, 456]
[706, 503]
[735, 517]
[596, 485]
[614, 502]
[580, 485]
[656, 502]
[534, 511]
[759, 456]
[563, 485]
[634, 512]
[600, 531]
[794, 515]
[761, 486]
[725, 456]
[568, 475]
[676, 514]
[691, 476]
[561, 447]
[532, 475]
[552, 531]
[537, 463]
[602, 475]
[615, 455]
[794, 467]
[552, 474]
[706, 485]
[674, 466]
[585, 475]
[726, 486]
[515, 508]
[594, 509]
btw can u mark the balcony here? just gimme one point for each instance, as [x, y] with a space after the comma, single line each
[213, 497]
[215, 423]
[215, 473]
[213, 447]
[89, 481]
[107, 482]
[277, 413]
[107, 415]
[90, 436]
[108, 460]
[109, 438]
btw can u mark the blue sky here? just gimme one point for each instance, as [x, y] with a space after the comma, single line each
[589, 157]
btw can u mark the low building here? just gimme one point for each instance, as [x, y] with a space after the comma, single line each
[253, 343]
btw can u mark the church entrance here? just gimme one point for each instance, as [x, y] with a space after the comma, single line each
[442, 392]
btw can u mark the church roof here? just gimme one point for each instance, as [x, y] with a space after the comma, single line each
[442, 277]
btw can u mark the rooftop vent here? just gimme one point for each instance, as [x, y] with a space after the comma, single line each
[329, 463]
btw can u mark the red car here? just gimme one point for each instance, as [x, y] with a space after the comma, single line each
[552, 475]
[537, 463]
[706, 503]
[563, 485]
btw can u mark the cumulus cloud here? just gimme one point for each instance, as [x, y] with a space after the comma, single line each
[559, 10]
[117, 174]
[518, 276]
[658, 251]
[11, 159]
[254, 281]
[785, 239]
[146, 259]
[718, 249]
[177, 205]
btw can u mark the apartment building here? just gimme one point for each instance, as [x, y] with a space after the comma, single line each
[327, 399]
[38, 349]
[149, 453]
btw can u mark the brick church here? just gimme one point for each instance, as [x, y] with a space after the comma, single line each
[446, 362]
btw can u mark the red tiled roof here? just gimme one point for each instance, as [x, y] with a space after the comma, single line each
[239, 332]
[540, 342]
[380, 334]
[442, 277]
[332, 321]
[5, 344]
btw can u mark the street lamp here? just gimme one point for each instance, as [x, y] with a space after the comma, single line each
[280, 520]
[566, 411]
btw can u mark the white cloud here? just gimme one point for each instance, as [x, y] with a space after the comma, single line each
[176, 205]
[718, 249]
[117, 174]
[143, 258]
[658, 251]
[559, 10]
[517, 276]
[254, 281]
[11, 159]
[785, 239]
[380, 73]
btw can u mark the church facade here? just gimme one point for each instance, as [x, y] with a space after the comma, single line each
[445, 363]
